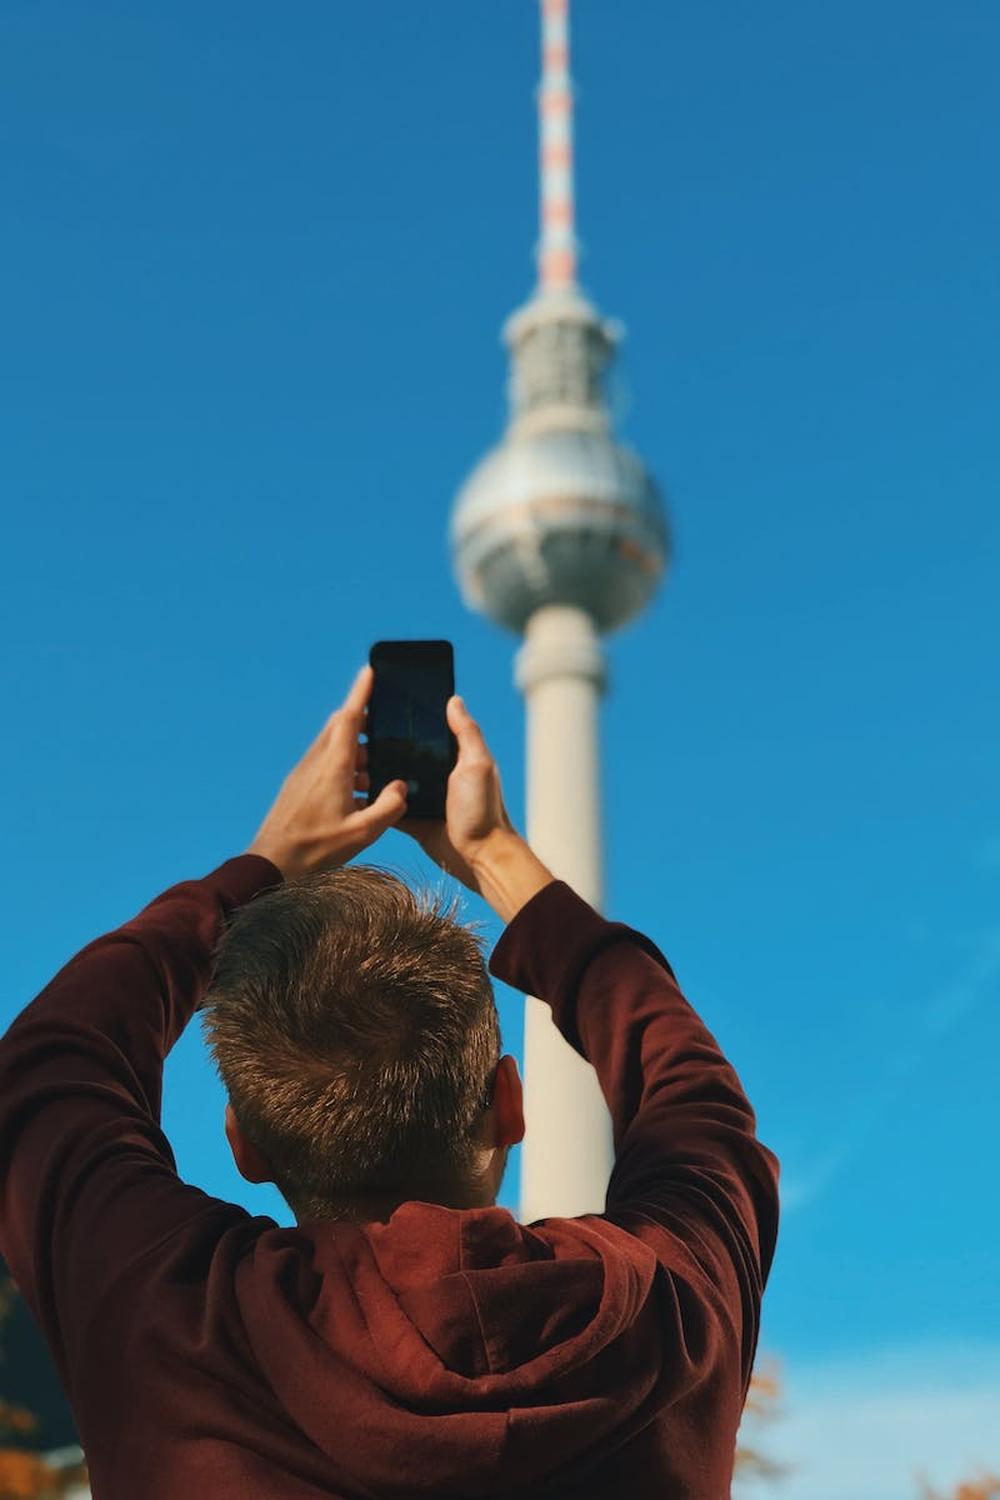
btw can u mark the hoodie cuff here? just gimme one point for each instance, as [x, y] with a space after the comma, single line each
[238, 880]
[536, 945]
[545, 949]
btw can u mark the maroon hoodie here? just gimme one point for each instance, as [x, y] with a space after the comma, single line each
[210, 1355]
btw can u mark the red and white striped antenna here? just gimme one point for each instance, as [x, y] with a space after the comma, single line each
[557, 250]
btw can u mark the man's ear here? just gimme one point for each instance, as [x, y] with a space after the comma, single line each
[508, 1104]
[248, 1159]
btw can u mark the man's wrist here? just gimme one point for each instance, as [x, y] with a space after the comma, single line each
[508, 872]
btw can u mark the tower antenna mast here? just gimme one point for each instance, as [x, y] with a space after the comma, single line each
[557, 250]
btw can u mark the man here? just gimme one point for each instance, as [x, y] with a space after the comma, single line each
[408, 1337]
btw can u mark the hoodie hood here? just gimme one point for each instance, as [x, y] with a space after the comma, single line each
[456, 1351]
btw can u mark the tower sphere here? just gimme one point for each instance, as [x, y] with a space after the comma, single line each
[559, 512]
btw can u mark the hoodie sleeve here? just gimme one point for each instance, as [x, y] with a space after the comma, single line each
[88, 1181]
[690, 1177]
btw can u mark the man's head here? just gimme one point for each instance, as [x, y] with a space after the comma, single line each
[354, 1026]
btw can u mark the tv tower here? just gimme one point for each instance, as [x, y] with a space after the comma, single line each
[560, 535]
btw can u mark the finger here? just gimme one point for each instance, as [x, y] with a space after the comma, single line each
[321, 743]
[387, 809]
[361, 691]
[361, 759]
[466, 730]
[362, 781]
[357, 697]
[346, 723]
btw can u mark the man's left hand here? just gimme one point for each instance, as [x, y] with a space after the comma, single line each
[318, 821]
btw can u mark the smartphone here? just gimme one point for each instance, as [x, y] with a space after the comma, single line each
[408, 734]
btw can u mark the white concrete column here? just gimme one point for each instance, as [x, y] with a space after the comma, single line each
[567, 1154]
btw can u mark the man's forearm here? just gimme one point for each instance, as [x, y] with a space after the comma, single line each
[508, 873]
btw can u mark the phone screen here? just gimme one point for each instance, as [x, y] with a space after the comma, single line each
[408, 734]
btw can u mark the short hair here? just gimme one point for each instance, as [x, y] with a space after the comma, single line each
[354, 1026]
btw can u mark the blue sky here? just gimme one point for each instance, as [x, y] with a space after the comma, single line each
[255, 265]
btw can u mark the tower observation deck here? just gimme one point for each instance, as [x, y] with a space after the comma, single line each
[559, 534]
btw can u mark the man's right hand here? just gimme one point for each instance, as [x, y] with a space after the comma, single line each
[476, 841]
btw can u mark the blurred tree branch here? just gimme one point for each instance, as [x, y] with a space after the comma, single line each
[762, 1406]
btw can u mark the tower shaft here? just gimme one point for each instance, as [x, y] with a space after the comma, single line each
[567, 1154]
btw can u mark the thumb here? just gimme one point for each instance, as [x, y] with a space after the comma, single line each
[387, 809]
[466, 730]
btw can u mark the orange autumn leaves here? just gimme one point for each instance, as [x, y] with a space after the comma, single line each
[25, 1475]
[986, 1487]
